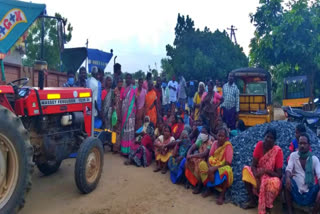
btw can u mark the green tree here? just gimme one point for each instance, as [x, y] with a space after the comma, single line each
[139, 74]
[201, 54]
[287, 40]
[51, 42]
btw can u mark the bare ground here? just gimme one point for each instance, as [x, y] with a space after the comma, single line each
[122, 189]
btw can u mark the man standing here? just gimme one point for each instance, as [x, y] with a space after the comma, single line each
[82, 82]
[173, 87]
[95, 86]
[165, 96]
[182, 95]
[101, 78]
[70, 80]
[191, 90]
[116, 75]
[302, 170]
[230, 105]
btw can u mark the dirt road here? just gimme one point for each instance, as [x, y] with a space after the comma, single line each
[122, 189]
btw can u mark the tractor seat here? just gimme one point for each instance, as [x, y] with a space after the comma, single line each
[309, 114]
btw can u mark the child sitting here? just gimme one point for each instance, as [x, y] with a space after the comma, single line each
[240, 128]
[300, 128]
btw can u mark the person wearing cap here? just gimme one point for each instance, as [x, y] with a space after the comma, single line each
[94, 84]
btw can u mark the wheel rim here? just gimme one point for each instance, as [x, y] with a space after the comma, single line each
[9, 170]
[93, 165]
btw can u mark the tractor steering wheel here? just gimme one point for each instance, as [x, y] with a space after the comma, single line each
[24, 81]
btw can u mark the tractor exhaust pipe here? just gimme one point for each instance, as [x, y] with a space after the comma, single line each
[41, 66]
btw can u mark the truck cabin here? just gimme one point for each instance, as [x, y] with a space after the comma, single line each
[255, 90]
[296, 91]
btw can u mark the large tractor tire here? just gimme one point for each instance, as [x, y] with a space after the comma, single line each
[49, 167]
[16, 164]
[89, 165]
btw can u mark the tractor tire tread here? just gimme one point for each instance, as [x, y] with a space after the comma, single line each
[12, 123]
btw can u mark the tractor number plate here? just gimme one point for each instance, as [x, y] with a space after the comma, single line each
[65, 101]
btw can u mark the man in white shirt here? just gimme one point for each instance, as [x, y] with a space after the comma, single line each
[302, 170]
[95, 86]
[165, 97]
[182, 94]
[173, 87]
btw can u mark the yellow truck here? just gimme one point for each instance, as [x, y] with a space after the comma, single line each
[296, 91]
[255, 95]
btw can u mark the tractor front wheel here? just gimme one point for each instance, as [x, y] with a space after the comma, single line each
[89, 165]
[16, 164]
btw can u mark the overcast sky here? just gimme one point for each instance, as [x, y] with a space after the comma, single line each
[138, 31]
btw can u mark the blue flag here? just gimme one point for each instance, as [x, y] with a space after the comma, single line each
[15, 18]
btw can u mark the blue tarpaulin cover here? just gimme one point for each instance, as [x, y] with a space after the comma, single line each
[73, 58]
[15, 19]
[98, 58]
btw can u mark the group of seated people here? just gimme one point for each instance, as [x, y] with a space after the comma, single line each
[197, 157]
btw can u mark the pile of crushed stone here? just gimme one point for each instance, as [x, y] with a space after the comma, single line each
[244, 144]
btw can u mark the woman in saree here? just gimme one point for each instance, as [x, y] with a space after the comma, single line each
[208, 108]
[118, 106]
[217, 171]
[141, 149]
[107, 103]
[140, 102]
[162, 152]
[198, 152]
[128, 116]
[177, 160]
[178, 127]
[263, 178]
[151, 104]
[197, 100]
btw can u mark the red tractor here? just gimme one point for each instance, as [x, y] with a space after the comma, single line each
[45, 126]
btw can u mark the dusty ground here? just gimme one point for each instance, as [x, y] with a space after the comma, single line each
[122, 189]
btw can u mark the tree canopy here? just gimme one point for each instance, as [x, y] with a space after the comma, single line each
[201, 54]
[287, 40]
[51, 42]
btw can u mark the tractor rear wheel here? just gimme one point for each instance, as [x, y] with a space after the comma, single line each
[89, 165]
[49, 167]
[16, 164]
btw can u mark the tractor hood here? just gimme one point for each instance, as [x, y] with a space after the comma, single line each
[15, 18]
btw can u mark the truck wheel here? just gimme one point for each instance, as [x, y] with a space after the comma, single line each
[16, 164]
[89, 165]
[49, 167]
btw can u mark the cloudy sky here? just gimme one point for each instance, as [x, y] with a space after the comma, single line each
[138, 31]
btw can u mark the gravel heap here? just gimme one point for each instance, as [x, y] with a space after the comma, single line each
[244, 144]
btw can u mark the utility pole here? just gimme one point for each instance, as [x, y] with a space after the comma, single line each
[233, 33]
